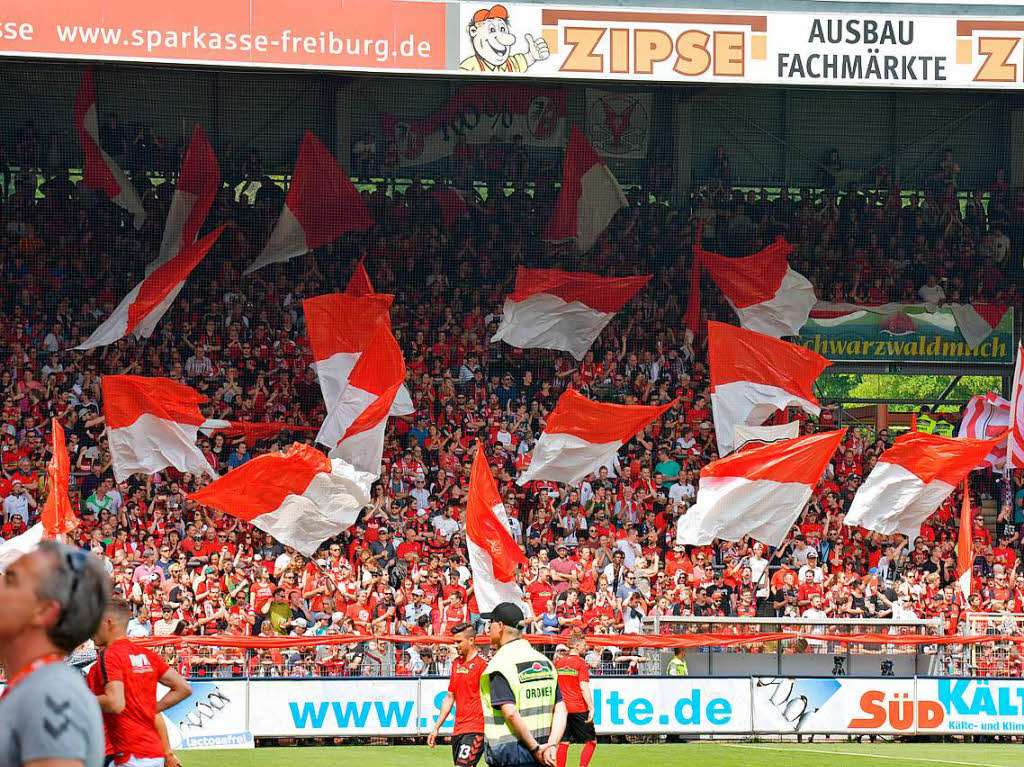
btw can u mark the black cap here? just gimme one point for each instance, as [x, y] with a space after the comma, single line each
[509, 614]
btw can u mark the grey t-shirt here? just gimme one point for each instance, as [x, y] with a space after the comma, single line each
[51, 714]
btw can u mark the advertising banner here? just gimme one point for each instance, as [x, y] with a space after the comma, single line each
[475, 115]
[914, 334]
[735, 47]
[213, 716]
[965, 706]
[979, 50]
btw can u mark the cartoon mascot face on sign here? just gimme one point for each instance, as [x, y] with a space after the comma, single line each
[492, 39]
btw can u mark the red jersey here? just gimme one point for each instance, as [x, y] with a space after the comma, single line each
[94, 681]
[572, 670]
[465, 686]
[133, 732]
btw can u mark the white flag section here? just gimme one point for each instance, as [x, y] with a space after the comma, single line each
[152, 423]
[300, 496]
[580, 436]
[765, 435]
[552, 309]
[493, 554]
[986, 416]
[753, 375]
[589, 198]
[99, 171]
[758, 492]
[13, 548]
[767, 295]
[910, 481]
[618, 123]
[1015, 439]
[145, 305]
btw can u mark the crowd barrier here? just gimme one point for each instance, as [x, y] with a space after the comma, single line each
[232, 713]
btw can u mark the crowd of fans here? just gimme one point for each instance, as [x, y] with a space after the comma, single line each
[601, 554]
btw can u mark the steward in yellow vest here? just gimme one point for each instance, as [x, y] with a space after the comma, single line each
[524, 716]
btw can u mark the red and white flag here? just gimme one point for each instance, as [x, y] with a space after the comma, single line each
[100, 172]
[965, 547]
[340, 328]
[146, 303]
[58, 517]
[152, 423]
[194, 194]
[767, 295]
[589, 198]
[300, 496]
[360, 415]
[581, 435]
[322, 204]
[987, 415]
[911, 480]
[552, 309]
[493, 553]
[1015, 439]
[759, 491]
[753, 375]
[359, 283]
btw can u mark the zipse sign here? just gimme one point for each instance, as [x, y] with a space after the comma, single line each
[671, 45]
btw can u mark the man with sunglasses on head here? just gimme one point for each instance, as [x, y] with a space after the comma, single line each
[53, 598]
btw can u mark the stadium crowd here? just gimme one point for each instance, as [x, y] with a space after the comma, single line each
[601, 554]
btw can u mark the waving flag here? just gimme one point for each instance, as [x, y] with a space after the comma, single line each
[100, 172]
[753, 375]
[589, 198]
[1015, 439]
[582, 435]
[986, 416]
[194, 193]
[361, 413]
[250, 431]
[322, 204]
[58, 518]
[552, 309]
[493, 554]
[359, 283]
[146, 303]
[765, 435]
[767, 295]
[911, 479]
[965, 547]
[340, 327]
[300, 496]
[758, 492]
[152, 423]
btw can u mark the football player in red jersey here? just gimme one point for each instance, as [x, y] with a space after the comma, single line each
[464, 694]
[574, 682]
[129, 674]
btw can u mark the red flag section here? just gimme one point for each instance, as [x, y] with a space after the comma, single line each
[58, 517]
[343, 322]
[801, 460]
[359, 284]
[256, 431]
[965, 546]
[99, 171]
[602, 294]
[588, 199]
[321, 205]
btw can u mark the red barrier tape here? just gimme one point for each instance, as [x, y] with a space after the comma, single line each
[660, 641]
